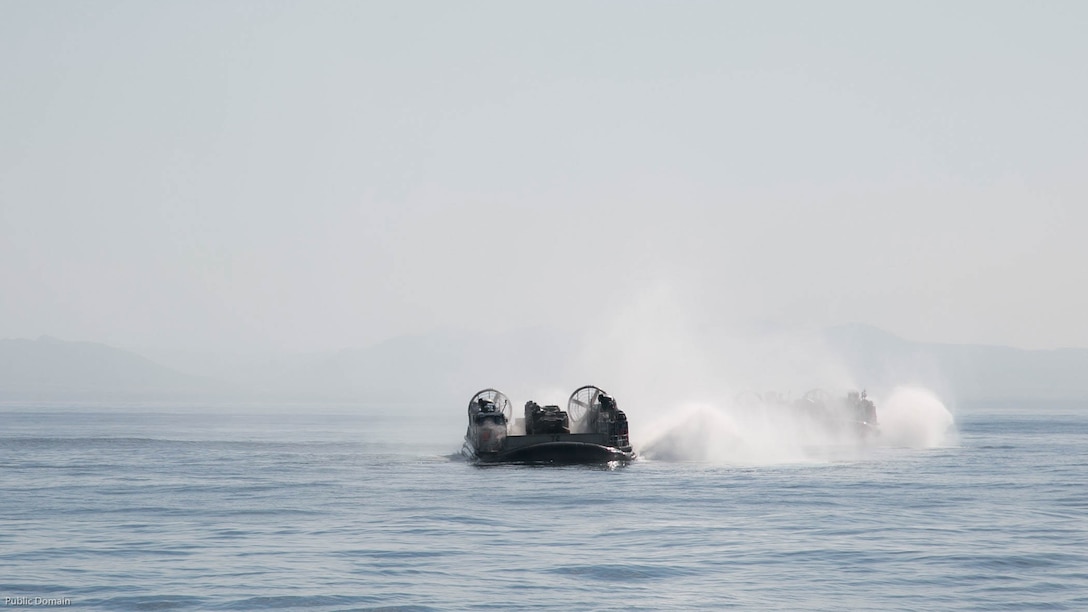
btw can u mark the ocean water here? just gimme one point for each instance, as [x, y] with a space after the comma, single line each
[364, 508]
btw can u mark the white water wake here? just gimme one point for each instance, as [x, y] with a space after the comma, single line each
[909, 417]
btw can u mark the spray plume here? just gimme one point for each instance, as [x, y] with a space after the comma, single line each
[681, 391]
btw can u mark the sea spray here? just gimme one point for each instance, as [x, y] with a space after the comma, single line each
[742, 435]
[677, 371]
[915, 417]
[767, 433]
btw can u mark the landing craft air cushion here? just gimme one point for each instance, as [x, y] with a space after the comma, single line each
[854, 414]
[592, 430]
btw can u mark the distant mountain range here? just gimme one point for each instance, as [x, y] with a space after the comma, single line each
[445, 366]
[435, 367]
[48, 369]
[968, 372]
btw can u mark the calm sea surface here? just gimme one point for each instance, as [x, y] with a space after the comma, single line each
[198, 507]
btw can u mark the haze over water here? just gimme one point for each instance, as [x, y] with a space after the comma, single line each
[218, 219]
[266, 178]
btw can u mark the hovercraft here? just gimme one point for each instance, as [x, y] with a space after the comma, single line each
[854, 414]
[592, 430]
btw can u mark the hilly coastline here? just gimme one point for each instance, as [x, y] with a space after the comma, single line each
[441, 366]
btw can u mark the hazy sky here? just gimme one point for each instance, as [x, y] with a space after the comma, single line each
[303, 175]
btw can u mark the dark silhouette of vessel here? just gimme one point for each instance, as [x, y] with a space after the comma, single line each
[592, 430]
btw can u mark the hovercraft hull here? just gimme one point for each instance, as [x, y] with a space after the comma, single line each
[558, 453]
